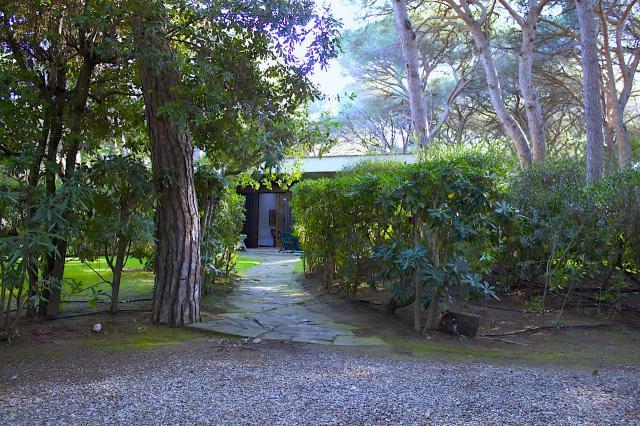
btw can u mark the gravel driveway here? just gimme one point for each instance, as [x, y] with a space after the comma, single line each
[216, 384]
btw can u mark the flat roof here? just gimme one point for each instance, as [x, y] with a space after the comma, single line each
[332, 164]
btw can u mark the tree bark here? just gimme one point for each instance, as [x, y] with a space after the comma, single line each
[506, 120]
[529, 95]
[54, 270]
[176, 298]
[591, 90]
[533, 109]
[612, 101]
[116, 269]
[410, 54]
[52, 273]
[623, 143]
[508, 123]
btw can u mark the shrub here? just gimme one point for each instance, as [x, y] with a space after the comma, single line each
[564, 232]
[405, 226]
[119, 221]
[452, 223]
[221, 218]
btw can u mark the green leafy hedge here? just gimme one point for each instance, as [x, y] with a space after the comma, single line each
[445, 227]
[562, 232]
[424, 226]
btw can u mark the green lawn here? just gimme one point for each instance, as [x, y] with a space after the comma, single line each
[299, 266]
[136, 282]
[244, 262]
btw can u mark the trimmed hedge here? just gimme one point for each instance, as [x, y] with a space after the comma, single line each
[444, 227]
[407, 227]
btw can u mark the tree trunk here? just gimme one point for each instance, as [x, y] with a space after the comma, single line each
[115, 289]
[609, 140]
[614, 107]
[121, 254]
[433, 313]
[591, 90]
[508, 123]
[531, 101]
[433, 310]
[410, 54]
[417, 306]
[54, 271]
[622, 140]
[53, 264]
[176, 298]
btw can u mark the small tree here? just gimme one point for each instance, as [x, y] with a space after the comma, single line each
[221, 218]
[120, 223]
[28, 223]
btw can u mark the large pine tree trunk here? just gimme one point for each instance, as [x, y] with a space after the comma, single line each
[613, 103]
[410, 54]
[176, 298]
[531, 101]
[508, 123]
[591, 90]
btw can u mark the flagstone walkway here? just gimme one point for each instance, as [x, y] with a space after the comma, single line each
[270, 304]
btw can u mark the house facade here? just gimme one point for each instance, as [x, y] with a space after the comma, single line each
[267, 210]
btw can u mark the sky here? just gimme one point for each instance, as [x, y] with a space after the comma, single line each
[333, 80]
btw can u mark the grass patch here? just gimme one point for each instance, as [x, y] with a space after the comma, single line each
[555, 355]
[144, 337]
[136, 282]
[244, 262]
[347, 327]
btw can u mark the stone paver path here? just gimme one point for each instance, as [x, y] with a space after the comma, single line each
[270, 304]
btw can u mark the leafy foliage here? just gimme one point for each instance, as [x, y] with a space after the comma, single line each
[564, 233]
[27, 221]
[389, 224]
[221, 219]
[121, 209]
[460, 221]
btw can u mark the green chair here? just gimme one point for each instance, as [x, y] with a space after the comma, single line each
[289, 243]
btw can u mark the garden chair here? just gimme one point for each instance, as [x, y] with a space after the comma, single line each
[289, 243]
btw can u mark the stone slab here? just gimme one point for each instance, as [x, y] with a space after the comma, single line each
[270, 304]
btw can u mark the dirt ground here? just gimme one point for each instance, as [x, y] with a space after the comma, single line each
[602, 342]
[583, 337]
